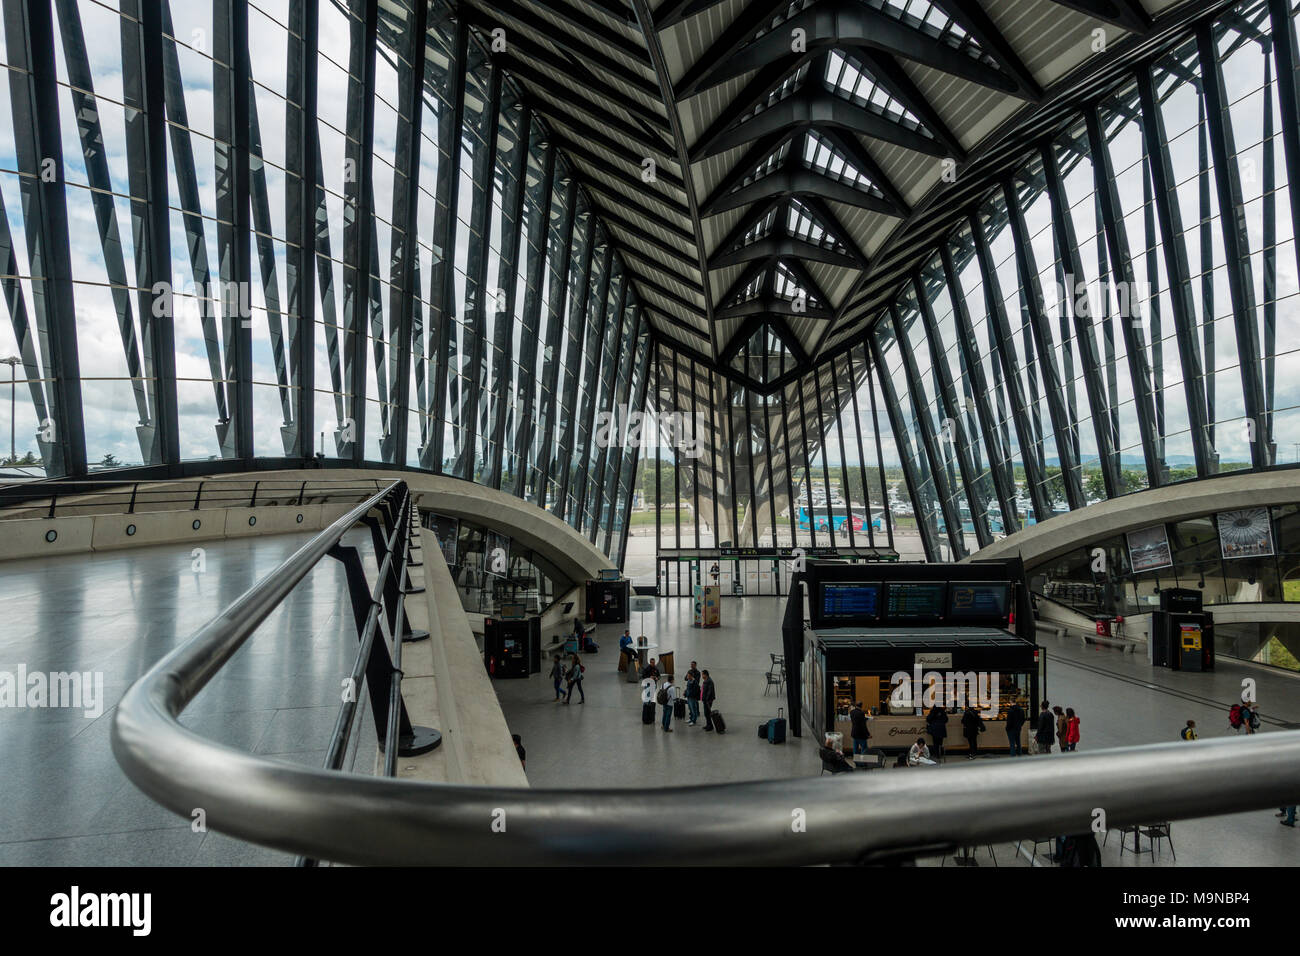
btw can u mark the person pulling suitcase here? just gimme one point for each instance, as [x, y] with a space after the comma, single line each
[648, 700]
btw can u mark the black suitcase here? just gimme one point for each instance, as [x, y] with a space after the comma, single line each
[719, 724]
[648, 713]
[679, 708]
[762, 730]
[776, 727]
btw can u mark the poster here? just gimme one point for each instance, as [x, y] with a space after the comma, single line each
[1247, 533]
[447, 530]
[1148, 549]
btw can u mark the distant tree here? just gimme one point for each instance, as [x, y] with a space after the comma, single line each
[110, 462]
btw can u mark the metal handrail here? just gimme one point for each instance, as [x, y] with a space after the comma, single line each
[355, 819]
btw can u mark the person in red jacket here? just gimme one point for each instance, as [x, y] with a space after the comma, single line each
[1071, 729]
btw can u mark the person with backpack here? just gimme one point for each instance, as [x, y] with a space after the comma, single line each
[708, 694]
[667, 694]
[693, 694]
[936, 725]
[1015, 721]
[858, 728]
[574, 677]
[1189, 732]
[557, 675]
[1243, 717]
[1044, 730]
[971, 725]
[1060, 726]
[1071, 730]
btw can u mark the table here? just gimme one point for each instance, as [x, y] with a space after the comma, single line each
[641, 648]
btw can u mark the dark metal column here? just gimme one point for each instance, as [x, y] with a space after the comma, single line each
[906, 454]
[301, 146]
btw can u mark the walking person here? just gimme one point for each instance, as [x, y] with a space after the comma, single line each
[1189, 732]
[971, 725]
[667, 694]
[693, 694]
[557, 675]
[708, 694]
[1071, 730]
[1061, 726]
[1288, 816]
[1044, 729]
[858, 729]
[574, 677]
[936, 724]
[1015, 723]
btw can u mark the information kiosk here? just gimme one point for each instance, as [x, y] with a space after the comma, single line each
[512, 644]
[608, 598]
[905, 638]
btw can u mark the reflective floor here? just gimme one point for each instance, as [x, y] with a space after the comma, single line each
[1119, 698]
[63, 800]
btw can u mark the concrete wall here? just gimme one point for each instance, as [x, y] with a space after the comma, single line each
[1063, 533]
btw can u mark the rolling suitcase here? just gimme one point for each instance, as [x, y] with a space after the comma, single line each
[776, 727]
[648, 713]
[679, 708]
[762, 730]
[719, 724]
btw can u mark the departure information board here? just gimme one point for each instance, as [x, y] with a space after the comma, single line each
[854, 601]
[979, 600]
[915, 601]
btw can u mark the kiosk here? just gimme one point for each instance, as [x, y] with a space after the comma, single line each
[1182, 633]
[607, 598]
[904, 638]
[512, 644]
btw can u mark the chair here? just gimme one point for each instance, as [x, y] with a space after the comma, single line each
[965, 856]
[1155, 832]
[773, 680]
[833, 766]
[1137, 840]
[1037, 842]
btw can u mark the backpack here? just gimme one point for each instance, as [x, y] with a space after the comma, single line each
[1234, 717]
[662, 696]
[1185, 732]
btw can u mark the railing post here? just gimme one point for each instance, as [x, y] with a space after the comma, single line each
[197, 495]
[302, 491]
[130, 508]
[53, 501]
[391, 588]
[252, 502]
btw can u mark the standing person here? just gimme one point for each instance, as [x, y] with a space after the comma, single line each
[936, 724]
[1288, 816]
[1250, 715]
[557, 675]
[1189, 732]
[574, 677]
[708, 694]
[667, 694]
[971, 725]
[1071, 730]
[1015, 721]
[858, 729]
[648, 700]
[1061, 726]
[519, 749]
[1044, 729]
[693, 694]
[650, 670]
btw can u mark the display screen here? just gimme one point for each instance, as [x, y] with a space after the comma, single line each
[855, 601]
[983, 600]
[915, 600]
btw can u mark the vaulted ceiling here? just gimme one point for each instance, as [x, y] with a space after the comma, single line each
[767, 166]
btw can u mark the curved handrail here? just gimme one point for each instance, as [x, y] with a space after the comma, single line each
[350, 818]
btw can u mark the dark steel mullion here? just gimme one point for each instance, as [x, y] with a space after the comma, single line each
[1177, 272]
[29, 31]
[586, 380]
[921, 415]
[1286, 56]
[476, 278]
[999, 465]
[997, 317]
[854, 385]
[442, 280]
[539, 228]
[301, 145]
[508, 266]
[558, 287]
[751, 511]
[607, 494]
[906, 455]
[826, 471]
[869, 359]
[807, 466]
[602, 397]
[1122, 273]
[948, 390]
[154, 265]
[656, 362]
[791, 502]
[1063, 224]
[1031, 292]
[844, 466]
[767, 445]
[695, 462]
[677, 464]
[578, 325]
[404, 289]
[714, 446]
[1236, 248]
[632, 456]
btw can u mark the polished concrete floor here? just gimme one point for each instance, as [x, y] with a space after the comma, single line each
[1119, 699]
[63, 799]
